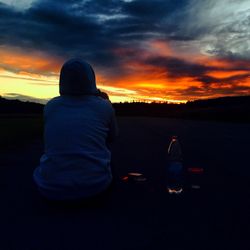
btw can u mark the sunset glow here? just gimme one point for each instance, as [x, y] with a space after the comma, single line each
[147, 63]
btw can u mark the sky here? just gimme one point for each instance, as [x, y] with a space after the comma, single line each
[141, 50]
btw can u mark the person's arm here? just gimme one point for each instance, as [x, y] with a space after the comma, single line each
[102, 94]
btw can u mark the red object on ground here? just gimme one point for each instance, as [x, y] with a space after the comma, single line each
[196, 170]
[125, 178]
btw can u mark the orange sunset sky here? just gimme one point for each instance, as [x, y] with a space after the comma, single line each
[140, 50]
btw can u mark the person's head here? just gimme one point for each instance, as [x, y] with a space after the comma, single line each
[77, 77]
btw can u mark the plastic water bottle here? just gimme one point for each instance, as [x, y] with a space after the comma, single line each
[175, 167]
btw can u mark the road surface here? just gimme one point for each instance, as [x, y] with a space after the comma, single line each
[139, 215]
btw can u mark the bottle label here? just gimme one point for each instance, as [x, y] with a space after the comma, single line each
[175, 175]
[175, 167]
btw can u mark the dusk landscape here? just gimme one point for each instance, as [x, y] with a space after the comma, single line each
[171, 69]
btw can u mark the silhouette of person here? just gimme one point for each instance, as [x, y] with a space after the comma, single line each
[78, 125]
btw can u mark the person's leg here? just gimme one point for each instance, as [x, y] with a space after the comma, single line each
[92, 201]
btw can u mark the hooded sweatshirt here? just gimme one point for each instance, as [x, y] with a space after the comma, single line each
[78, 126]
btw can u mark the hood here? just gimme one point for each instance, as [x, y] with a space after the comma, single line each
[77, 77]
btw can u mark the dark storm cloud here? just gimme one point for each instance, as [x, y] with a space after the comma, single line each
[207, 80]
[148, 11]
[50, 27]
[87, 28]
[15, 96]
[92, 29]
[145, 18]
[209, 92]
[178, 68]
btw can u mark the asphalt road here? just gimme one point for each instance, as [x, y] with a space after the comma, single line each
[139, 215]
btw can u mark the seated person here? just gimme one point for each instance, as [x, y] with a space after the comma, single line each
[78, 125]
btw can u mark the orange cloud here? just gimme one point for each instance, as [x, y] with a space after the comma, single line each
[137, 79]
[226, 74]
[26, 63]
[160, 47]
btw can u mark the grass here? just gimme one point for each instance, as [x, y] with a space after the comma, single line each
[16, 129]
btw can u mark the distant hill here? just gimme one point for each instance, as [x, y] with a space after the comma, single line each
[19, 107]
[221, 109]
[222, 101]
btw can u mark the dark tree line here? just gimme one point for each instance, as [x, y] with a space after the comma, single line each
[221, 109]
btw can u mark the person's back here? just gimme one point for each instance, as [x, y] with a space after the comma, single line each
[78, 126]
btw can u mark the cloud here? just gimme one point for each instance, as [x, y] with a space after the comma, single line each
[85, 28]
[130, 42]
[20, 5]
[92, 29]
[223, 27]
[15, 96]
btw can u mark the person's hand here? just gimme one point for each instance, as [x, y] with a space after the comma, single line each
[103, 95]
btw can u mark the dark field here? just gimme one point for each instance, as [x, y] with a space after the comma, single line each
[136, 215]
[19, 129]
